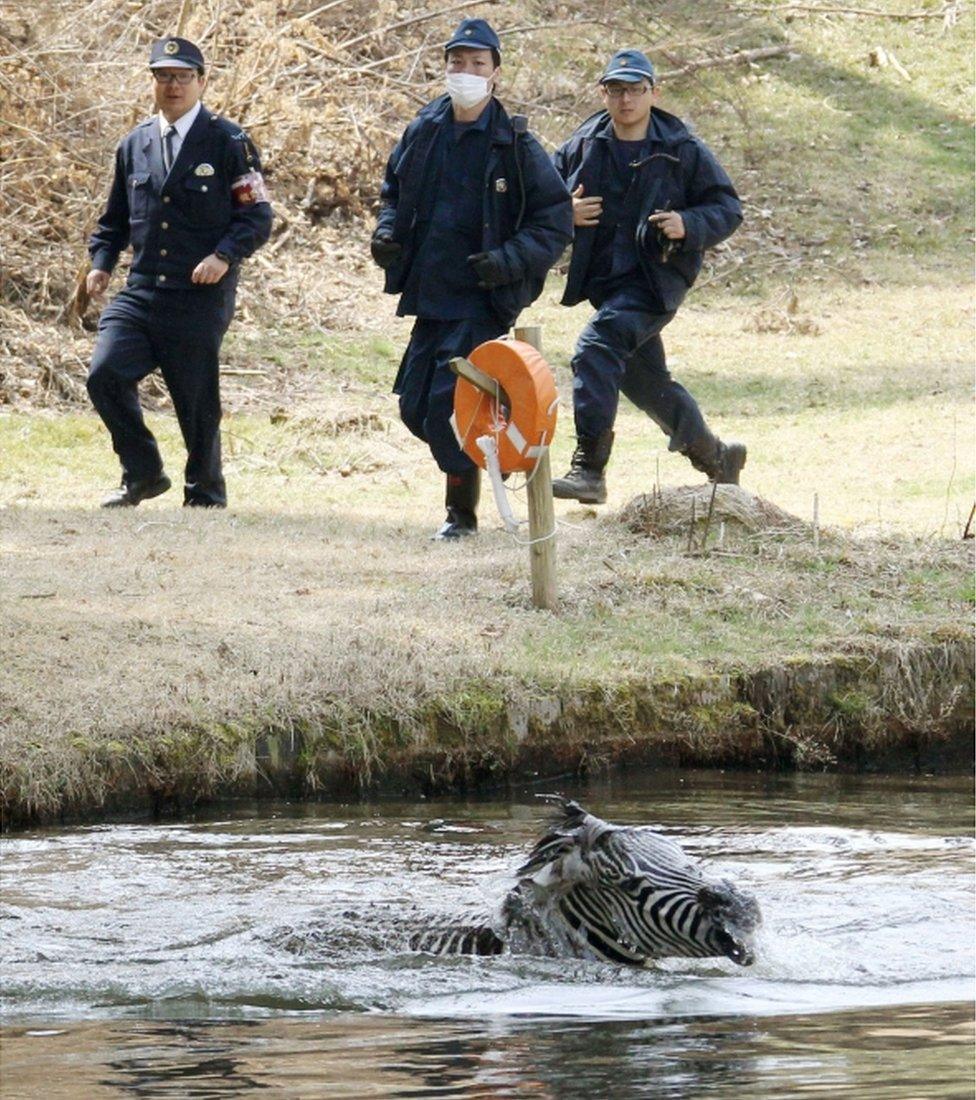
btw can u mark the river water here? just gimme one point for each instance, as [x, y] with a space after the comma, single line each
[262, 951]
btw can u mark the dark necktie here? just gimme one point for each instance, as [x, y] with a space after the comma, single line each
[169, 134]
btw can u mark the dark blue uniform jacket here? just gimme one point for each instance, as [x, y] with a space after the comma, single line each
[527, 214]
[174, 221]
[679, 173]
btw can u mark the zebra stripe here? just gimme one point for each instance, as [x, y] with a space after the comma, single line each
[643, 900]
[667, 927]
[604, 944]
[479, 940]
[622, 894]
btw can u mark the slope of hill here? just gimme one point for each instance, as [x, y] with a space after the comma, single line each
[848, 134]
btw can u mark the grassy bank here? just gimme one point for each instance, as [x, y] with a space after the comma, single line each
[314, 632]
[311, 635]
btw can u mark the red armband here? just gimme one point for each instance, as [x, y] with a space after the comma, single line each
[249, 189]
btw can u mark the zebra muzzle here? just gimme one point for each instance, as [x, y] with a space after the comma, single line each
[739, 951]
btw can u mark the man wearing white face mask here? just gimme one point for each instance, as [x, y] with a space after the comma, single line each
[473, 216]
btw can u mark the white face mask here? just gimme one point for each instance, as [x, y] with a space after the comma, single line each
[466, 89]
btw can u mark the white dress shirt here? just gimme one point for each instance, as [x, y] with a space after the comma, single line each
[182, 124]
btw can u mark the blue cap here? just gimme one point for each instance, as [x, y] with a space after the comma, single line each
[474, 34]
[628, 65]
[175, 53]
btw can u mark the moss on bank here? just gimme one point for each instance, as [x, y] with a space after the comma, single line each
[877, 706]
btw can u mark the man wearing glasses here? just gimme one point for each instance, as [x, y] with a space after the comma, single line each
[648, 199]
[188, 195]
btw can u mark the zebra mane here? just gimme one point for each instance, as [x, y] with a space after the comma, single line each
[572, 832]
[567, 814]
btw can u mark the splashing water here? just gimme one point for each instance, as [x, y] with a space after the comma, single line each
[866, 890]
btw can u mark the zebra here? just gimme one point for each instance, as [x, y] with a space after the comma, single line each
[617, 893]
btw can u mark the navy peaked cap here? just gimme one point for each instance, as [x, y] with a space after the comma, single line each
[629, 65]
[175, 53]
[476, 34]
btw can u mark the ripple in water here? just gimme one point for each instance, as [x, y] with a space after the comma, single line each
[286, 914]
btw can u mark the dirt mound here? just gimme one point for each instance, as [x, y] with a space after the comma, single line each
[690, 509]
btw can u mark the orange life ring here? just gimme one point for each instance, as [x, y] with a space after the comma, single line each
[524, 421]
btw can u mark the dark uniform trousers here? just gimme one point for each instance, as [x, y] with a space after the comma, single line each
[425, 383]
[180, 332]
[453, 313]
[620, 350]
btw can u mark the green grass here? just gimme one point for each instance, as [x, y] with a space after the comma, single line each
[873, 415]
[366, 359]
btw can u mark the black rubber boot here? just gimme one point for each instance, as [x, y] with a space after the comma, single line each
[584, 481]
[720, 462]
[730, 463]
[461, 498]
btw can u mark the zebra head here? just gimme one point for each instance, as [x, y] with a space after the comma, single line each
[628, 895]
[732, 916]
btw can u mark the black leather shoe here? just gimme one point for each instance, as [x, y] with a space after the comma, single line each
[202, 502]
[128, 496]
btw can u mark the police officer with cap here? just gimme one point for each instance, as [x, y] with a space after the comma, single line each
[648, 198]
[189, 197]
[473, 215]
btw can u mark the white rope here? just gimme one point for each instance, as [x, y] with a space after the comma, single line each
[532, 542]
[488, 445]
[552, 533]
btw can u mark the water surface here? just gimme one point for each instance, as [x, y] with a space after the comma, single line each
[264, 951]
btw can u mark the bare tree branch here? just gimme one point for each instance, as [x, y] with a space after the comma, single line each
[408, 22]
[812, 9]
[741, 56]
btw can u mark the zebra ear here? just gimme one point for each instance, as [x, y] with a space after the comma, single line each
[557, 862]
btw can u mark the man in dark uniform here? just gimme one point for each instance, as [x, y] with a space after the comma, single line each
[473, 216]
[648, 199]
[189, 196]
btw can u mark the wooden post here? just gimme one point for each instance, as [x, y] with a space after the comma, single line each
[542, 514]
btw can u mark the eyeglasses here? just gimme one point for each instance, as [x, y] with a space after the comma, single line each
[180, 76]
[618, 91]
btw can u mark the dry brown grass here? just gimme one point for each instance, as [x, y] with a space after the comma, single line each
[324, 96]
[326, 89]
[151, 649]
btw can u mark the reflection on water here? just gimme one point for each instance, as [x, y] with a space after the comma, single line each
[263, 953]
[891, 1054]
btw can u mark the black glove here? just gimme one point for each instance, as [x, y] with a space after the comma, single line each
[490, 269]
[384, 250]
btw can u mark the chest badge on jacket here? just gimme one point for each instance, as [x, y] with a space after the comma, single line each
[203, 170]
